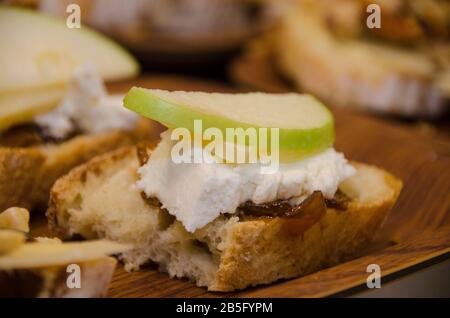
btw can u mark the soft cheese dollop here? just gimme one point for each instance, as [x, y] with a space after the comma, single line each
[87, 107]
[196, 194]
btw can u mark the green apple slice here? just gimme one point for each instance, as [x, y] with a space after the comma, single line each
[37, 50]
[22, 106]
[305, 125]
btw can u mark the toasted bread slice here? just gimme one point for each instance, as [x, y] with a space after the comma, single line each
[18, 175]
[99, 199]
[356, 73]
[27, 174]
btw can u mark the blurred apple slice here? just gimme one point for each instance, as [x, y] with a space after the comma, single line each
[37, 50]
[22, 106]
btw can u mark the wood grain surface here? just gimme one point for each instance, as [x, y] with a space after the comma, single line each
[417, 230]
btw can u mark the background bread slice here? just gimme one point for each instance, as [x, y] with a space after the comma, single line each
[353, 72]
[18, 175]
[27, 174]
[229, 253]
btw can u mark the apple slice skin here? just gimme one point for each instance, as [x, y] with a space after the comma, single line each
[294, 144]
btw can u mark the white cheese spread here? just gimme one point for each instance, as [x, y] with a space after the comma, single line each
[196, 193]
[87, 107]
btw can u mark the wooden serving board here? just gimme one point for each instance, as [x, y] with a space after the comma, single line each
[417, 230]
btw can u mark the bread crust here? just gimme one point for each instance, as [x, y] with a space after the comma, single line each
[18, 174]
[27, 174]
[256, 250]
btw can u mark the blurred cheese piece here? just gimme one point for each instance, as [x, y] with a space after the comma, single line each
[16, 219]
[44, 268]
[10, 240]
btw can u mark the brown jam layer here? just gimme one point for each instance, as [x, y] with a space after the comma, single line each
[338, 202]
[297, 219]
[21, 136]
[143, 152]
[282, 208]
[29, 135]
[153, 202]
